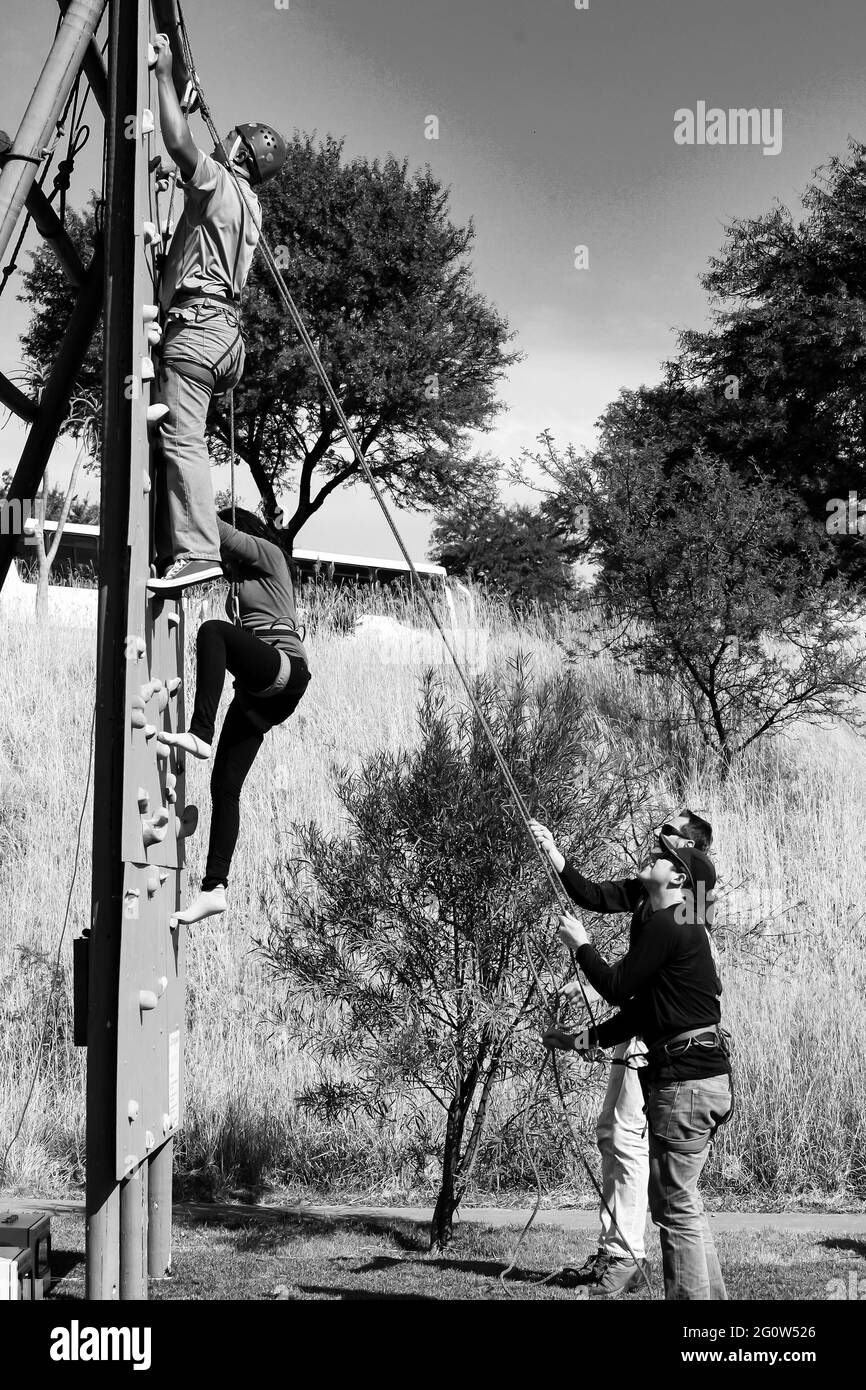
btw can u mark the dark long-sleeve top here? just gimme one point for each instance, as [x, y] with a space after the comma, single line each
[265, 592]
[681, 991]
[665, 984]
[611, 896]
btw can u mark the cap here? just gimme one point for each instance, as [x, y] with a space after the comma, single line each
[698, 867]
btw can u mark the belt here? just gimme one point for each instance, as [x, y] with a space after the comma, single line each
[204, 297]
[275, 630]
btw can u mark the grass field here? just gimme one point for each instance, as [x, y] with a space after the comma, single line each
[302, 1258]
[791, 839]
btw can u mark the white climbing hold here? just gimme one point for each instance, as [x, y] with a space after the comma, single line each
[148, 124]
[150, 232]
[148, 371]
[151, 56]
[146, 1000]
[149, 312]
[156, 413]
[132, 1110]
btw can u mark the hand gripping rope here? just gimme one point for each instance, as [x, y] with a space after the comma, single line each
[523, 812]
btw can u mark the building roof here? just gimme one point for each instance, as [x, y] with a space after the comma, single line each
[73, 531]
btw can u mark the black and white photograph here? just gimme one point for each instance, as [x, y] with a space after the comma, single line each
[433, 670]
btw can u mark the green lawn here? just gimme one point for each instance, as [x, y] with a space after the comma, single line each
[304, 1258]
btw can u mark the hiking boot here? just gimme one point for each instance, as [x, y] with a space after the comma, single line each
[573, 1275]
[183, 573]
[617, 1276]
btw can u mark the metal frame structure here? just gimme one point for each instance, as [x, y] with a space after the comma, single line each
[129, 965]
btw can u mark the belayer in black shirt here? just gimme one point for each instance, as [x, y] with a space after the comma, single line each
[666, 988]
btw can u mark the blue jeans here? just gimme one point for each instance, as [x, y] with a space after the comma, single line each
[683, 1118]
[209, 336]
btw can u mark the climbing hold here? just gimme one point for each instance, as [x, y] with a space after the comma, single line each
[150, 232]
[155, 828]
[148, 1139]
[146, 1000]
[161, 749]
[130, 900]
[145, 483]
[149, 731]
[147, 122]
[162, 697]
[135, 646]
[166, 1123]
[149, 689]
[132, 1110]
[153, 881]
[161, 986]
[187, 822]
[149, 312]
[166, 228]
[137, 719]
[151, 58]
[173, 619]
[156, 413]
[148, 371]
[174, 685]
[143, 800]
[170, 788]
[153, 333]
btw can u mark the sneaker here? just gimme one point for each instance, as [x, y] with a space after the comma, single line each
[617, 1276]
[184, 573]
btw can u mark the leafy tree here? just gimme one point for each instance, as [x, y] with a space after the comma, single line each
[718, 586]
[383, 280]
[512, 549]
[52, 299]
[415, 922]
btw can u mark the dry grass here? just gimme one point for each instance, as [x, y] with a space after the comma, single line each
[791, 845]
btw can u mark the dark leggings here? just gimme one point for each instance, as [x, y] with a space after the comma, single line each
[220, 646]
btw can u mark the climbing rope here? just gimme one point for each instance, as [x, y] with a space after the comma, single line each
[523, 812]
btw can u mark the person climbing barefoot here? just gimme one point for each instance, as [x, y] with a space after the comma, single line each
[268, 660]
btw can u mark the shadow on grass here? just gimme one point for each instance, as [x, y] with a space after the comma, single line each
[347, 1295]
[855, 1247]
[269, 1238]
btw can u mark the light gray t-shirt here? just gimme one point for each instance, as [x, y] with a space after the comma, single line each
[212, 248]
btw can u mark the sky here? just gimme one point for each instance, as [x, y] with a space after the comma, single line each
[556, 130]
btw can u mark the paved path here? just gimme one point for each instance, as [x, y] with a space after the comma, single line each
[566, 1218]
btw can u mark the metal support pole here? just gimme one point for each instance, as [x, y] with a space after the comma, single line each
[159, 1211]
[107, 909]
[71, 43]
[50, 228]
[94, 69]
[55, 399]
[133, 1235]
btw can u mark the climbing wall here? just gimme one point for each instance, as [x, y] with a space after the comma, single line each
[155, 817]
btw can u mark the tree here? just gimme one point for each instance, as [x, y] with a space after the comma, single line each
[512, 549]
[414, 922]
[52, 299]
[382, 279]
[789, 311]
[720, 588]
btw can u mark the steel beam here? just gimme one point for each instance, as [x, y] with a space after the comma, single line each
[18, 174]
